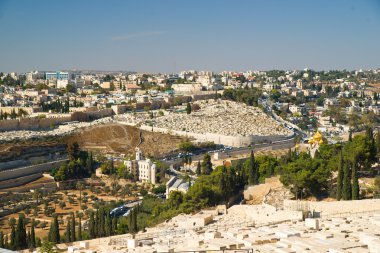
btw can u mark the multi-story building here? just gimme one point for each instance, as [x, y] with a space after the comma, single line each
[57, 75]
[144, 168]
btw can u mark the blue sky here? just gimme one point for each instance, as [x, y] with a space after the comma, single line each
[174, 35]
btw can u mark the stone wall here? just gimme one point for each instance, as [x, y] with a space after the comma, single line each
[29, 110]
[120, 109]
[7, 125]
[140, 106]
[29, 170]
[31, 123]
[12, 164]
[234, 141]
[334, 208]
[85, 116]
[262, 214]
[197, 97]
[100, 113]
[19, 181]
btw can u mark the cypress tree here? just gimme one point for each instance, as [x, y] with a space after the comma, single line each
[251, 170]
[20, 238]
[91, 225]
[372, 143]
[68, 232]
[135, 220]
[355, 181]
[107, 225]
[257, 173]
[206, 165]
[199, 168]
[350, 136]
[130, 221]
[73, 239]
[13, 238]
[188, 108]
[89, 164]
[80, 215]
[114, 225]
[96, 227]
[32, 236]
[54, 235]
[378, 143]
[2, 240]
[339, 184]
[102, 229]
[223, 187]
[346, 193]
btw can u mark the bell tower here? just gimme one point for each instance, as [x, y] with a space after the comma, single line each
[139, 155]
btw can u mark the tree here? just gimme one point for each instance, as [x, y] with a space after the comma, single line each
[20, 238]
[47, 247]
[37, 195]
[54, 235]
[253, 173]
[108, 225]
[12, 223]
[80, 216]
[62, 204]
[355, 182]
[199, 168]
[346, 194]
[339, 184]
[223, 185]
[2, 245]
[73, 151]
[206, 165]
[91, 225]
[188, 108]
[89, 164]
[73, 235]
[32, 235]
[80, 187]
[186, 146]
[68, 232]
[378, 143]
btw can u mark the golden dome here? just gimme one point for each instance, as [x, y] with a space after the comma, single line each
[317, 136]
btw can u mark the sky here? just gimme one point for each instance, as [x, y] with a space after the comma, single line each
[173, 35]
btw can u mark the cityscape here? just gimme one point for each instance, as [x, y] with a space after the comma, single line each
[146, 131]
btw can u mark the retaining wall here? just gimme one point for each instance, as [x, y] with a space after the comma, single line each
[334, 207]
[19, 181]
[234, 141]
[30, 170]
[100, 113]
[31, 124]
[12, 164]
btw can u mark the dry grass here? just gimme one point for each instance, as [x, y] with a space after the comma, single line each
[117, 138]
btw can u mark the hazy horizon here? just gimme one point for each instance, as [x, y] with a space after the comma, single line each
[170, 36]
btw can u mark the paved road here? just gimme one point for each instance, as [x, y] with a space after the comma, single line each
[285, 144]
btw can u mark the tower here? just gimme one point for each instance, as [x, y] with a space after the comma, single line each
[153, 173]
[139, 155]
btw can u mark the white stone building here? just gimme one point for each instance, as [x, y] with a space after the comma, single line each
[144, 168]
[176, 184]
